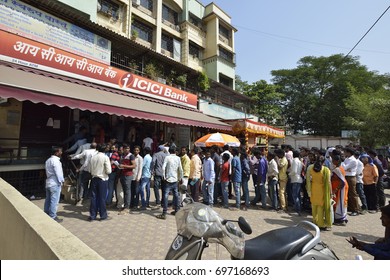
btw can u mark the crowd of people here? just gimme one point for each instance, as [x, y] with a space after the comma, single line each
[332, 184]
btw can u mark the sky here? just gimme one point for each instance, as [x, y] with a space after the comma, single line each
[275, 34]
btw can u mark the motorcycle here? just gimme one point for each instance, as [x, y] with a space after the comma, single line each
[198, 225]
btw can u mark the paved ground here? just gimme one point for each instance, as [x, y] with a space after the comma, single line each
[142, 236]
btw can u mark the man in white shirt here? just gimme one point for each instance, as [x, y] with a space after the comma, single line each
[350, 166]
[295, 175]
[208, 179]
[100, 167]
[172, 174]
[272, 175]
[147, 142]
[137, 172]
[54, 181]
[85, 172]
[359, 182]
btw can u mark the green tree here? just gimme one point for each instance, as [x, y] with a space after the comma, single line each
[266, 101]
[317, 91]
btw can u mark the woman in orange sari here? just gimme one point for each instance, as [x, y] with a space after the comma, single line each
[339, 192]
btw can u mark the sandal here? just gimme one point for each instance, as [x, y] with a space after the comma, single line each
[161, 216]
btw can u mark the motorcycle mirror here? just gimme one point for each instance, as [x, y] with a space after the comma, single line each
[244, 226]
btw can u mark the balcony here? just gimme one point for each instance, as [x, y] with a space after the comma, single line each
[137, 4]
[224, 40]
[171, 25]
[167, 53]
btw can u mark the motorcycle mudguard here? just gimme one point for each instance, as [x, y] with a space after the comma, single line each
[183, 248]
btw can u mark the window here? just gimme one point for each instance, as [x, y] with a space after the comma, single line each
[195, 21]
[194, 51]
[144, 32]
[170, 15]
[109, 8]
[224, 32]
[167, 43]
[225, 54]
[148, 4]
[225, 80]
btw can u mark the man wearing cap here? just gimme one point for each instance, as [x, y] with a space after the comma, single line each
[157, 171]
[350, 167]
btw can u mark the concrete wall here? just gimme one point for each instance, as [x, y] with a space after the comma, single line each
[27, 233]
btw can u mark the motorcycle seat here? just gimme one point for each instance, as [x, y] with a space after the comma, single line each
[278, 244]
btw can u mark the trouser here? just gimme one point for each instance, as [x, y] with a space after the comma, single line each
[245, 190]
[144, 190]
[84, 179]
[99, 190]
[370, 192]
[158, 184]
[208, 193]
[237, 187]
[362, 196]
[171, 187]
[380, 193]
[217, 191]
[134, 201]
[126, 185]
[194, 187]
[272, 189]
[53, 194]
[225, 195]
[282, 194]
[296, 196]
[353, 198]
[111, 187]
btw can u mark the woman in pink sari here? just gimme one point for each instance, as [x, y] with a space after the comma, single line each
[339, 192]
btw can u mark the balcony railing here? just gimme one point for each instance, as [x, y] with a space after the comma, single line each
[171, 25]
[224, 40]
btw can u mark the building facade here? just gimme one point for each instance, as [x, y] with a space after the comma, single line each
[130, 68]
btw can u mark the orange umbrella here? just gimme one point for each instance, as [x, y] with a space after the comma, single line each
[219, 139]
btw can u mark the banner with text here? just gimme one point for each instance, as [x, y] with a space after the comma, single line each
[33, 54]
[22, 19]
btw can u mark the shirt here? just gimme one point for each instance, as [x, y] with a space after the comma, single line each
[217, 163]
[126, 160]
[208, 170]
[295, 173]
[81, 149]
[158, 160]
[359, 172]
[283, 165]
[186, 164]
[195, 167]
[137, 171]
[86, 156]
[172, 169]
[236, 170]
[114, 157]
[76, 145]
[370, 174]
[350, 165]
[100, 166]
[245, 169]
[273, 170]
[148, 142]
[253, 164]
[225, 172]
[147, 167]
[54, 172]
[262, 170]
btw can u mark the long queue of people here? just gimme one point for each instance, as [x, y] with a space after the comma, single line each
[331, 184]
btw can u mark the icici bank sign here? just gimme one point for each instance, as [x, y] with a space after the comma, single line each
[23, 51]
[139, 83]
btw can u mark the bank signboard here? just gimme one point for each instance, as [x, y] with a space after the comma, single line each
[23, 51]
[27, 21]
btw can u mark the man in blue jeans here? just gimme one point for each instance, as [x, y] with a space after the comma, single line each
[236, 177]
[172, 175]
[54, 181]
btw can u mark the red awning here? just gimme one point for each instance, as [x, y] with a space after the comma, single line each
[24, 86]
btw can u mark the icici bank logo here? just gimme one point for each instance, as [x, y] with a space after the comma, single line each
[126, 80]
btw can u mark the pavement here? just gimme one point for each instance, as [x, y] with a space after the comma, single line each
[141, 236]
